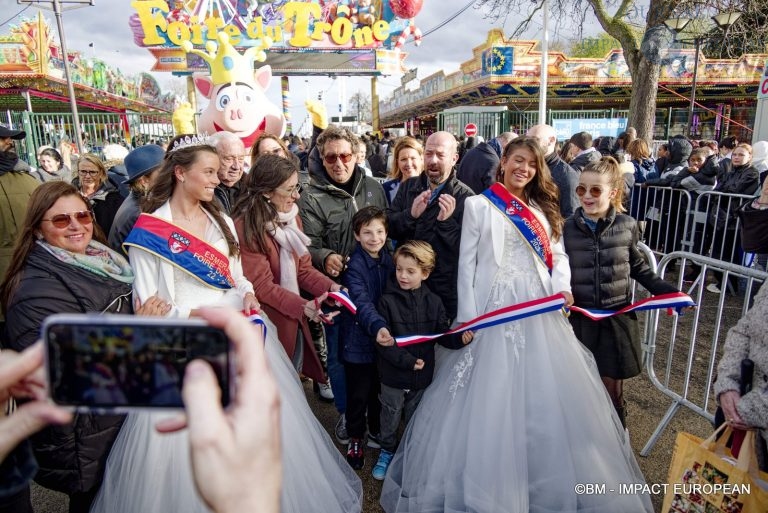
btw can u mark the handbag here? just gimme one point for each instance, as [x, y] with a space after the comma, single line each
[704, 476]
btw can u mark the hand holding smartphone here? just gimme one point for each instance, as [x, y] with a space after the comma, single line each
[113, 363]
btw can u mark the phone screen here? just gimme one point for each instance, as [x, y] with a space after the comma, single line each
[130, 365]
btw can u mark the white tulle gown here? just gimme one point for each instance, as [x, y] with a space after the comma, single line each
[151, 473]
[513, 421]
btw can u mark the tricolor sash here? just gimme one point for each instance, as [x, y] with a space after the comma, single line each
[181, 249]
[523, 219]
[673, 301]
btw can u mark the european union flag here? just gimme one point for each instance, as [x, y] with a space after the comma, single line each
[498, 60]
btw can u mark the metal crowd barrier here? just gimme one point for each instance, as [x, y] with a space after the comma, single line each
[714, 227]
[682, 365]
[663, 214]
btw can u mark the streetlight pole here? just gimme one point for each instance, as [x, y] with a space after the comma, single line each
[723, 21]
[55, 6]
[697, 43]
[543, 74]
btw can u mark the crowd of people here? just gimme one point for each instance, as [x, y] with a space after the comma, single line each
[421, 234]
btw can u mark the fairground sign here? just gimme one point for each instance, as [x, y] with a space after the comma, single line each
[353, 37]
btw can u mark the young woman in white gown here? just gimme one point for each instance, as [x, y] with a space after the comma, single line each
[515, 420]
[150, 472]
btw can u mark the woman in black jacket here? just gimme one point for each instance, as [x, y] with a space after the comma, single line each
[58, 267]
[743, 178]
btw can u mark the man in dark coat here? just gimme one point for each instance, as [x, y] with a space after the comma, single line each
[429, 207]
[478, 168]
[587, 153]
[565, 177]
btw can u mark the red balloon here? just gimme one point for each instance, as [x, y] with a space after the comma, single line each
[406, 9]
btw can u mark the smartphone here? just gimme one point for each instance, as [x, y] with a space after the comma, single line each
[114, 363]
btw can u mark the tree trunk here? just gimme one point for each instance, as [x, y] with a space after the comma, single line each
[642, 103]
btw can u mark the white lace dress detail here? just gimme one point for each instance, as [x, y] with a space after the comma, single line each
[462, 371]
[514, 274]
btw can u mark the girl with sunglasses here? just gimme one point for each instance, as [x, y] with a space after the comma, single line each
[601, 243]
[61, 265]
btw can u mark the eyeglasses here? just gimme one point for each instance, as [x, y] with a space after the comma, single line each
[331, 158]
[83, 217]
[89, 172]
[594, 191]
[229, 160]
[293, 190]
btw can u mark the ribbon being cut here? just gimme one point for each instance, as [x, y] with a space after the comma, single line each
[673, 301]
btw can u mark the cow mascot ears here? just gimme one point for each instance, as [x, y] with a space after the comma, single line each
[237, 101]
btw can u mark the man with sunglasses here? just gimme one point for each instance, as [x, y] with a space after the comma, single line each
[231, 152]
[16, 186]
[429, 207]
[565, 177]
[337, 189]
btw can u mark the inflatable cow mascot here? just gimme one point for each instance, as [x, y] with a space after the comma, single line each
[237, 101]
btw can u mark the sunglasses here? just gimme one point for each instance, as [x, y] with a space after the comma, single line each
[331, 159]
[83, 217]
[290, 191]
[594, 191]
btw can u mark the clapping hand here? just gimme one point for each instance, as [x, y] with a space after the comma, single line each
[447, 206]
[420, 204]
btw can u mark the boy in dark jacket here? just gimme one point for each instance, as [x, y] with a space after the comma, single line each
[368, 270]
[409, 308]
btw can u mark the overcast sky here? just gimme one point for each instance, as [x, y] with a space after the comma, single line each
[106, 26]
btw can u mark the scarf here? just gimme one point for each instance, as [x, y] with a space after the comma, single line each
[291, 241]
[98, 259]
[8, 161]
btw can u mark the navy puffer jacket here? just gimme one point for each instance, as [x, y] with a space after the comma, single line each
[365, 279]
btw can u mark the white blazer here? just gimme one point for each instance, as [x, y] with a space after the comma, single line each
[155, 275]
[481, 253]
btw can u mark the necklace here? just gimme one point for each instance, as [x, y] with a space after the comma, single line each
[191, 218]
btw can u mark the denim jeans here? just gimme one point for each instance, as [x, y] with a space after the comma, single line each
[335, 367]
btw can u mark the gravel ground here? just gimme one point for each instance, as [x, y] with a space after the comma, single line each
[646, 404]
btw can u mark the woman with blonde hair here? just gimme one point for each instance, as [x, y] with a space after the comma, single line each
[407, 162]
[101, 194]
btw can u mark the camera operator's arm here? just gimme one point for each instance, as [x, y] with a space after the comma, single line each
[22, 376]
[236, 456]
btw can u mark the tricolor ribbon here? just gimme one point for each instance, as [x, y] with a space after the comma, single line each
[343, 298]
[258, 320]
[500, 316]
[675, 300]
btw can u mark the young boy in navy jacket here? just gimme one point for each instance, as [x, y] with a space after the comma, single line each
[368, 270]
[409, 308]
